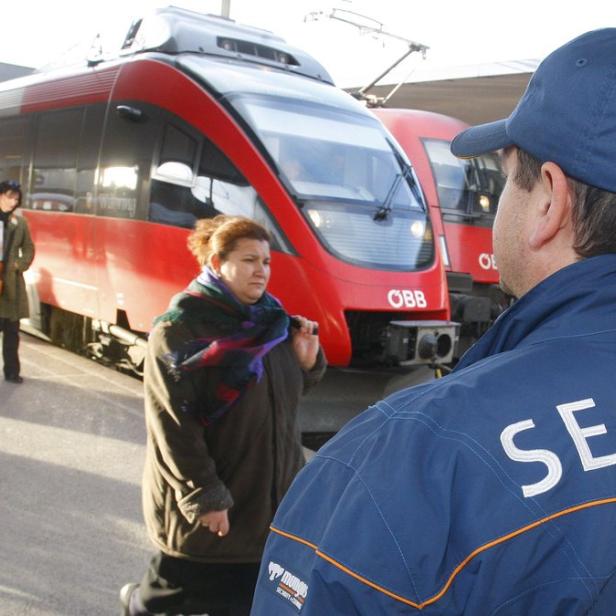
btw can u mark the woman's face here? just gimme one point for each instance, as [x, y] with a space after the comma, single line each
[9, 201]
[246, 270]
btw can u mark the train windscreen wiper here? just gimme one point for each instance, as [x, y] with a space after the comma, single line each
[382, 212]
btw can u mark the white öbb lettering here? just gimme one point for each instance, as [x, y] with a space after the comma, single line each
[487, 261]
[407, 298]
[579, 436]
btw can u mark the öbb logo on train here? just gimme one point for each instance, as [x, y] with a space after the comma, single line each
[408, 298]
[487, 261]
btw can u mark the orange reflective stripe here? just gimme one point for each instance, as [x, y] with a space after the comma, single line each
[340, 566]
[294, 538]
[458, 569]
[368, 582]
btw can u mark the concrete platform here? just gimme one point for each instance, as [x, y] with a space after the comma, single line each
[72, 447]
[72, 443]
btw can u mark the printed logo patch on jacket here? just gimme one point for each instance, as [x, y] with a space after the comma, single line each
[287, 585]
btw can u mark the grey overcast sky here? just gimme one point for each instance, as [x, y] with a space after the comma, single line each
[457, 32]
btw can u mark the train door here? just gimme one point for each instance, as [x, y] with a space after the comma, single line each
[59, 197]
[124, 259]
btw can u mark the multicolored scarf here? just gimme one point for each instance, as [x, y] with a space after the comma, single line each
[249, 332]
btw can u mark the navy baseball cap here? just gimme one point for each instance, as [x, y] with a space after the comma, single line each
[567, 114]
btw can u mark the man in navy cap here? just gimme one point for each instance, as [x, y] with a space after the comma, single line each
[491, 491]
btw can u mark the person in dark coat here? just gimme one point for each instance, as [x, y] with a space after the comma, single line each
[224, 374]
[16, 255]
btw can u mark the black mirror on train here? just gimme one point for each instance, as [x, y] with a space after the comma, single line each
[134, 114]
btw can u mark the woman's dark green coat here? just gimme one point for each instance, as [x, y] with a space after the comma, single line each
[244, 461]
[13, 300]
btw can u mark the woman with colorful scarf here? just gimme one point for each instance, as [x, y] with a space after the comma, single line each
[225, 371]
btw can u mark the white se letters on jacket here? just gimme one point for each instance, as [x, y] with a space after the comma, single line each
[580, 438]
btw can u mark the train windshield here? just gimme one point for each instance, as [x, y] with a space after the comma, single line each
[358, 194]
[468, 189]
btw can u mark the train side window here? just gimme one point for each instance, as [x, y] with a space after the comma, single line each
[87, 159]
[171, 198]
[180, 197]
[55, 160]
[178, 147]
[126, 161]
[12, 147]
[221, 186]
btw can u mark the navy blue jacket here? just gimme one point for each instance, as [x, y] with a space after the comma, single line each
[490, 492]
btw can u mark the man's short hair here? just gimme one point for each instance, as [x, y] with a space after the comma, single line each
[594, 210]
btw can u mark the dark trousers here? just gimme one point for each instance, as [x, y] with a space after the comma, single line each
[179, 586]
[10, 347]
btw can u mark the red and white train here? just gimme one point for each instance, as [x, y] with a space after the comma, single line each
[199, 116]
[462, 196]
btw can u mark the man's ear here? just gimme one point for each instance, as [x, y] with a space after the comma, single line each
[553, 212]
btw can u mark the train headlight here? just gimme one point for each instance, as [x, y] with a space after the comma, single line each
[418, 229]
[484, 203]
[316, 218]
[323, 220]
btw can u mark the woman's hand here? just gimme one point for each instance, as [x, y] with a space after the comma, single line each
[305, 342]
[216, 521]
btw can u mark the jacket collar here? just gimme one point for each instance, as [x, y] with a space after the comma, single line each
[8, 218]
[578, 299]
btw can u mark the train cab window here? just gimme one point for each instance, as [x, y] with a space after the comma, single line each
[220, 185]
[126, 162]
[12, 148]
[55, 159]
[217, 187]
[171, 198]
[468, 187]
[178, 146]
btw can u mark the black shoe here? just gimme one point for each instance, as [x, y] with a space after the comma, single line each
[14, 379]
[125, 594]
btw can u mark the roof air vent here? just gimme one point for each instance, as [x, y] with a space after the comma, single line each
[248, 48]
